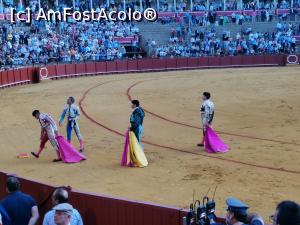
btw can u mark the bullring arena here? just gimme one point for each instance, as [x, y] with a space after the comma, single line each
[257, 112]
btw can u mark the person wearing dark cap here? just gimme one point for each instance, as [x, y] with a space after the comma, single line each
[236, 212]
[63, 214]
[20, 207]
[287, 213]
[207, 113]
[136, 119]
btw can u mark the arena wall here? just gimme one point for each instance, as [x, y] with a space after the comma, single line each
[100, 209]
[34, 74]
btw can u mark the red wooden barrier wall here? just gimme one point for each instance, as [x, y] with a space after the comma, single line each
[25, 75]
[100, 210]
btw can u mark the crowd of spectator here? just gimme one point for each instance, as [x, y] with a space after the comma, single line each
[164, 5]
[231, 5]
[205, 42]
[63, 42]
[21, 209]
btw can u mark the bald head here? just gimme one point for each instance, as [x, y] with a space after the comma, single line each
[60, 195]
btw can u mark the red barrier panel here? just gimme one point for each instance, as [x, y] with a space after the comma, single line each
[70, 69]
[24, 74]
[80, 68]
[90, 67]
[247, 60]
[214, 61]
[10, 76]
[258, 59]
[108, 210]
[111, 66]
[273, 59]
[203, 62]
[17, 75]
[122, 65]
[182, 63]
[2, 182]
[60, 69]
[30, 71]
[132, 65]
[236, 61]
[101, 67]
[51, 71]
[193, 62]
[171, 63]
[145, 64]
[159, 64]
[225, 61]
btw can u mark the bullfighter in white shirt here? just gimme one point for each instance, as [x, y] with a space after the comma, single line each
[48, 132]
[207, 113]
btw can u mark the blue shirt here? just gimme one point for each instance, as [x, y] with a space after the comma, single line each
[75, 219]
[72, 112]
[18, 207]
[4, 218]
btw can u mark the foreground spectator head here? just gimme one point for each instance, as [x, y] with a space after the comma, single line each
[12, 184]
[287, 213]
[236, 211]
[60, 195]
[63, 213]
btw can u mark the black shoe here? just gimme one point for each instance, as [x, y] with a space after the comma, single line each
[200, 145]
[57, 160]
[35, 155]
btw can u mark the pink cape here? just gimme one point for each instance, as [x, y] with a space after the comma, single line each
[68, 153]
[126, 157]
[213, 143]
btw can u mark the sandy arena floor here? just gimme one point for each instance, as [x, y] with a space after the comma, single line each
[257, 102]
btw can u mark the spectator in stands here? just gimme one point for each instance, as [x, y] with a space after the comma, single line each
[287, 213]
[20, 207]
[63, 214]
[60, 195]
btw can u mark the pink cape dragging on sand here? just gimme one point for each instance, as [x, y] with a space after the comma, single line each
[68, 153]
[213, 143]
